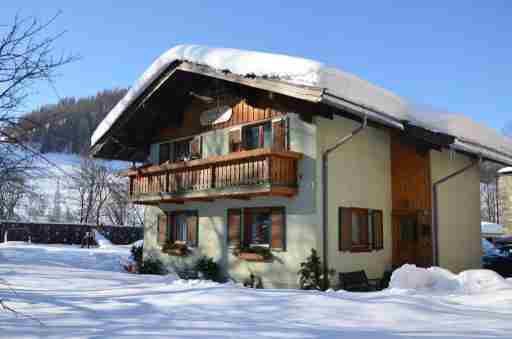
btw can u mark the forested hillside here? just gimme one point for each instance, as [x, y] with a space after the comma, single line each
[66, 127]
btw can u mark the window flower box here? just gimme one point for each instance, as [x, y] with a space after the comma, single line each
[176, 249]
[256, 253]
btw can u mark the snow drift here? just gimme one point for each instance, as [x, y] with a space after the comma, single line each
[436, 279]
[101, 240]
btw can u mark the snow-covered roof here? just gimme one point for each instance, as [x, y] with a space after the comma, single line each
[505, 170]
[337, 86]
[492, 228]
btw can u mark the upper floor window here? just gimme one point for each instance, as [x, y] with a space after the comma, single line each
[182, 150]
[257, 136]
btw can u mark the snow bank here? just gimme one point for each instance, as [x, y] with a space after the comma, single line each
[101, 240]
[437, 279]
[138, 243]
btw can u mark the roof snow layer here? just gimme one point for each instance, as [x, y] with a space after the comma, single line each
[305, 72]
[293, 70]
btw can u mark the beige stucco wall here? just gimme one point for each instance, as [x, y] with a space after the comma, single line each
[459, 212]
[301, 222]
[505, 196]
[359, 176]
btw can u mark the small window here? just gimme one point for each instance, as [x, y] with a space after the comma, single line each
[182, 151]
[257, 136]
[262, 227]
[360, 230]
[183, 227]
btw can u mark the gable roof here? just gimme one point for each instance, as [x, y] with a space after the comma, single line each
[325, 84]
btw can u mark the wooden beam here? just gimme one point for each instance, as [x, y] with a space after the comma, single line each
[308, 93]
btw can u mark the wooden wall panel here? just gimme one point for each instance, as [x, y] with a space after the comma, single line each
[410, 176]
[243, 112]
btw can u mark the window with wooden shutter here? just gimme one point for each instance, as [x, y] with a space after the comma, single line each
[279, 135]
[360, 229]
[235, 140]
[378, 230]
[184, 227]
[234, 227]
[278, 228]
[162, 228]
[195, 147]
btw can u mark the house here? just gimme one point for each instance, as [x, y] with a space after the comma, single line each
[505, 197]
[247, 153]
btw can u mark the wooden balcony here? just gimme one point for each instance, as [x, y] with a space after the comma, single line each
[240, 175]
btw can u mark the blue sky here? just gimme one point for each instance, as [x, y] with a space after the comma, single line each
[453, 55]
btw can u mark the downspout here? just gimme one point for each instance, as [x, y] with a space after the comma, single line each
[435, 207]
[325, 193]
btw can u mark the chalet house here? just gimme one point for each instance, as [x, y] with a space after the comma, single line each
[254, 159]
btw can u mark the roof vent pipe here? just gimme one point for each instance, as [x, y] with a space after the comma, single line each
[435, 207]
[325, 192]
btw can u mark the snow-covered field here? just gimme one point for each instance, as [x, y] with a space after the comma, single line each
[82, 293]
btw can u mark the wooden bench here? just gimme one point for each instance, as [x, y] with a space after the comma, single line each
[357, 281]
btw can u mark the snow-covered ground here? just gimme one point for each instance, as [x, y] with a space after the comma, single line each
[82, 293]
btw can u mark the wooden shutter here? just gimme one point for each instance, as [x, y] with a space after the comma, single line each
[192, 229]
[195, 147]
[162, 229]
[278, 228]
[234, 227]
[235, 140]
[378, 230]
[363, 227]
[345, 228]
[279, 135]
[246, 235]
[172, 229]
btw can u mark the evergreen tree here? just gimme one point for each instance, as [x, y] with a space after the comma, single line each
[311, 273]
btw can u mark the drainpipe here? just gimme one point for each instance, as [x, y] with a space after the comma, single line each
[325, 193]
[435, 207]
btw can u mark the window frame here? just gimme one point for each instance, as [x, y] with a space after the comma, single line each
[245, 242]
[172, 231]
[261, 134]
[368, 243]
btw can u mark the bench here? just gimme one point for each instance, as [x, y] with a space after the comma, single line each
[357, 281]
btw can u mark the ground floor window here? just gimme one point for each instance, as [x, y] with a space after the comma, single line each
[262, 226]
[360, 229]
[179, 227]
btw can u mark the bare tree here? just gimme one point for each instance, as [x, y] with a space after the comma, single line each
[101, 195]
[26, 58]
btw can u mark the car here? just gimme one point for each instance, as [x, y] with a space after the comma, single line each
[497, 259]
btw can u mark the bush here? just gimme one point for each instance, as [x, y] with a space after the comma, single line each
[311, 273]
[152, 266]
[137, 254]
[208, 268]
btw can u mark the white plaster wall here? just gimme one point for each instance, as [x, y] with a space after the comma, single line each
[359, 176]
[301, 222]
[459, 212]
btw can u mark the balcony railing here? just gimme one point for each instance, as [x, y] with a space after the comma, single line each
[241, 174]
